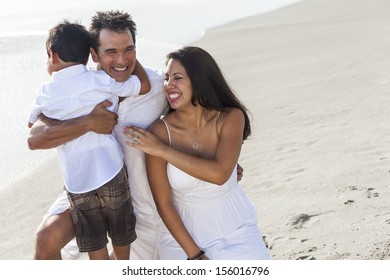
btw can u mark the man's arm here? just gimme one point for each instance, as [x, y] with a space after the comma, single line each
[48, 133]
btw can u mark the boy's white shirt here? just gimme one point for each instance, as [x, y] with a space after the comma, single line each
[92, 159]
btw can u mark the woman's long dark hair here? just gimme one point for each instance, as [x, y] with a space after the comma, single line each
[209, 87]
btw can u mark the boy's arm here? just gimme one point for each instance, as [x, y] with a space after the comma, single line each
[49, 133]
[140, 72]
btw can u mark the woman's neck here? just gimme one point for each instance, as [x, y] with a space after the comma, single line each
[195, 118]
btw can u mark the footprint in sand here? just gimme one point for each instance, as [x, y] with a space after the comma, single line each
[307, 254]
[370, 193]
[306, 257]
[299, 221]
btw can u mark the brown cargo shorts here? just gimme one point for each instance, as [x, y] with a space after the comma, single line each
[106, 210]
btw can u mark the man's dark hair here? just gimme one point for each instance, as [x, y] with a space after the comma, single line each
[116, 21]
[70, 41]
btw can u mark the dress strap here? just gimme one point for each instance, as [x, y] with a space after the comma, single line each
[216, 122]
[169, 133]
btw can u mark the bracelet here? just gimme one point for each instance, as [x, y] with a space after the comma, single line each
[198, 256]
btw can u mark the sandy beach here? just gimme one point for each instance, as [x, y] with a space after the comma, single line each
[316, 78]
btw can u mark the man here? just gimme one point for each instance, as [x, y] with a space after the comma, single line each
[113, 49]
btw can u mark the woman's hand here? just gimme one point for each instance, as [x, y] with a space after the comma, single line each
[144, 140]
[200, 256]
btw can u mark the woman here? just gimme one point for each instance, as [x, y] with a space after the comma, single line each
[191, 159]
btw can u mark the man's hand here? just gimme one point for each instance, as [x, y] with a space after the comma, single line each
[101, 120]
[49, 133]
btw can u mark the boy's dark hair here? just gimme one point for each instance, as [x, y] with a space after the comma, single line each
[116, 21]
[70, 41]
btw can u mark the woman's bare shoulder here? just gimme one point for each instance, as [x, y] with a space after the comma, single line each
[231, 113]
[159, 129]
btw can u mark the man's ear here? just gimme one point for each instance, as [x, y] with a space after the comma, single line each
[94, 55]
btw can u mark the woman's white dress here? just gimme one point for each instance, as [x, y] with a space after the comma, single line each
[221, 219]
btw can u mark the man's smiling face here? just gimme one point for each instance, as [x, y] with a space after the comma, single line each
[116, 54]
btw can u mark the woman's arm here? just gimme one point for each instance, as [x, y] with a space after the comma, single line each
[216, 170]
[48, 133]
[156, 169]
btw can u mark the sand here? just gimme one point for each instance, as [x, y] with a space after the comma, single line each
[316, 78]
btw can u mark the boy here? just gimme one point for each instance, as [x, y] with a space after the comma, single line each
[92, 164]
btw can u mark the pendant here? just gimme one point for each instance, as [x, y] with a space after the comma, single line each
[195, 146]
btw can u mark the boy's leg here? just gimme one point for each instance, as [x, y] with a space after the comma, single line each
[122, 252]
[101, 254]
[119, 214]
[52, 235]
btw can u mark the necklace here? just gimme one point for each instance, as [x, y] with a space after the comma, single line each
[195, 145]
